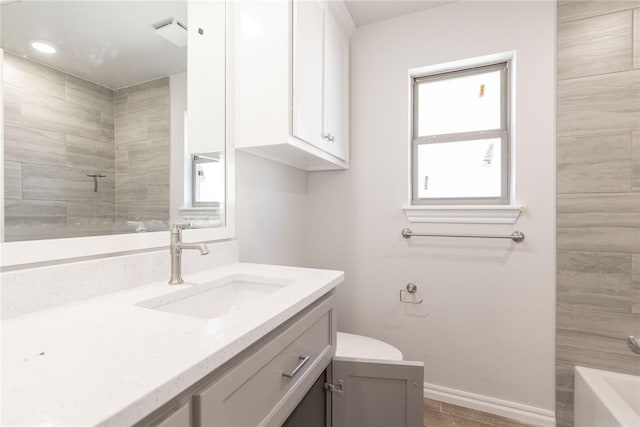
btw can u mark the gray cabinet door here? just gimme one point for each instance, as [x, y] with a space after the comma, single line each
[376, 393]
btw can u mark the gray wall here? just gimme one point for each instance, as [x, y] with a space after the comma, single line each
[58, 129]
[142, 135]
[598, 191]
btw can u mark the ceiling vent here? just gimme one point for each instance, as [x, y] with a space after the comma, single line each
[173, 31]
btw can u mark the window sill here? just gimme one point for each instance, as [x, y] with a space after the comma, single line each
[199, 210]
[464, 214]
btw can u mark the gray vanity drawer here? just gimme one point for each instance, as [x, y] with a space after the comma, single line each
[256, 392]
[180, 418]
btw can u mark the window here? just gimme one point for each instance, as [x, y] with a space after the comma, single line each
[460, 142]
[208, 180]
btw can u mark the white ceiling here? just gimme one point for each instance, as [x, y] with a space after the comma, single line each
[111, 43]
[365, 12]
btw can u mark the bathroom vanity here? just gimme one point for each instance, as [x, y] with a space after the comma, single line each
[237, 345]
[158, 355]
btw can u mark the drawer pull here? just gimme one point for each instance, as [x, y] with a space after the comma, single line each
[303, 359]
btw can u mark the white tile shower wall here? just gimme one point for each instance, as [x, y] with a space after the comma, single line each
[486, 326]
[32, 289]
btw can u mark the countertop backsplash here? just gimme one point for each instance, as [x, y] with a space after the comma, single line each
[32, 289]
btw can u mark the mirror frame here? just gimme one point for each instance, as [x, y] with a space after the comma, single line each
[21, 253]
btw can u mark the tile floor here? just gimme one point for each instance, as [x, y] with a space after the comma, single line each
[440, 414]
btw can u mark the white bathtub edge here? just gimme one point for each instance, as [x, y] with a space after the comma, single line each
[592, 392]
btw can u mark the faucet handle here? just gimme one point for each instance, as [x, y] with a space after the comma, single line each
[182, 226]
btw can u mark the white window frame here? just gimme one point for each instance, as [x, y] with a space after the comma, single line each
[195, 160]
[503, 133]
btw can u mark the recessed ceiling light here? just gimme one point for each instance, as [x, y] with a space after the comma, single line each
[43, 47]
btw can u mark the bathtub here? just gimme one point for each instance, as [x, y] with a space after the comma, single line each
[606, 399]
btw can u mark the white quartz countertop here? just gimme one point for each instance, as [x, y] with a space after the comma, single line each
[108, 361]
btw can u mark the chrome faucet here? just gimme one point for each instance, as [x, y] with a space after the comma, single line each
[176, 248]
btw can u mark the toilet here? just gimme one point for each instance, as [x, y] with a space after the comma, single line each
[368, 376]
[361, 347]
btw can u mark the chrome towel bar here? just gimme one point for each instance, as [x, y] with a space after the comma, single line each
[516, 236]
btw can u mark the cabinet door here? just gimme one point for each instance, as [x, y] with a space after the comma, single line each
[206, 77]
[376, 393]
[336, 87]
[312, 409]
[308, 29]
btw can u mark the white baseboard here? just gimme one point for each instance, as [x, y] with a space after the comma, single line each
[504, 408]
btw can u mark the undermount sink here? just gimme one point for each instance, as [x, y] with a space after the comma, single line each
[217, 298]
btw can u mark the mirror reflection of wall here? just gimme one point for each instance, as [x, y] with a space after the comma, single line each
[95, 94]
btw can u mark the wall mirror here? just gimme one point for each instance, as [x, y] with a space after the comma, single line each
[113, 119]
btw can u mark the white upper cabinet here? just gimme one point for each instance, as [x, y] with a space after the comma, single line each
[336, 84]
[308, 26]
[289, 74]
[206, 77]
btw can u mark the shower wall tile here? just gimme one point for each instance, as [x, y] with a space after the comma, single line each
[88, 94]
[92, 212]
[635, 294]
[25, 144]
[90, 154]
[599, 104]
[12, 100]
[564, 392]
[151, 155]
[158, 125]
[592, 280]
[31, 77]
[636, 38]
[594, 163]
[597, 339]
[635, 160]
[12, 180]
[152, 100]
[34, 219]
[54, 183]
[107, 188]
[28, 210]
[53, 114]
[131, 186]
[608, 222]
[59, 129]
[130, 127]
[158, 211]
[146, 90]
[107, 127]
[597, 45]
[142, 136]
[569, 10]
[598, 186]
[635, 284]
